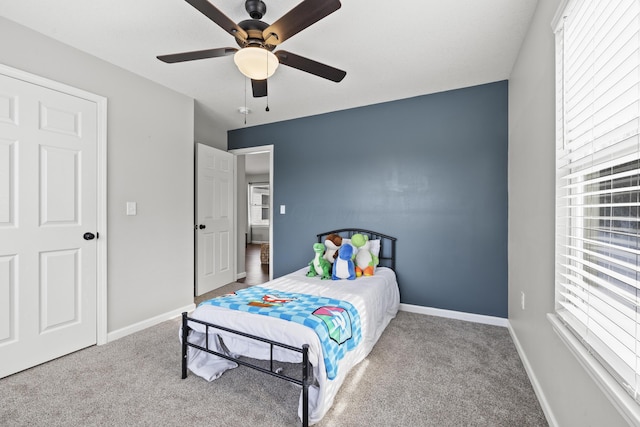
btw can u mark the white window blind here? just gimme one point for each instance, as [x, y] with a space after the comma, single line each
[598, 181]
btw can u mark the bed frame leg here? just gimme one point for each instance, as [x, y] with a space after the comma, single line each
[185, 336]
[305, 385]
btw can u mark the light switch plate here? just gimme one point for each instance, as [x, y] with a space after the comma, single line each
[282, 209]
[132, 208]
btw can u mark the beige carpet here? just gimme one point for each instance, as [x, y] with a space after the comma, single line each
[424, 371]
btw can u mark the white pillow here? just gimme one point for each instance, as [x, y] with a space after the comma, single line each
[375, 247]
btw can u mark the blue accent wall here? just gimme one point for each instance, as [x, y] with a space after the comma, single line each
[429, 170]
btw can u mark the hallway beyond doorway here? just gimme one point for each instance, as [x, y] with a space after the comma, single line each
[257, 273]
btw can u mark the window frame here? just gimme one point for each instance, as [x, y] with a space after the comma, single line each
[590, 361]
[252, 222]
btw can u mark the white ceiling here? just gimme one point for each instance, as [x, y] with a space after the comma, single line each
[389, 49]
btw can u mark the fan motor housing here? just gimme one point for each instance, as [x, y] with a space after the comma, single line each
[255, 8]
[254, 29]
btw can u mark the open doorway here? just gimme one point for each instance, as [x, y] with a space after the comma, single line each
[254, 204]
[258, 222]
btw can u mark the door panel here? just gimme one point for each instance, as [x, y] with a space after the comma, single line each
[224, 251]
[7, 298]
[7, 182]
[59, 175]
[59, 289]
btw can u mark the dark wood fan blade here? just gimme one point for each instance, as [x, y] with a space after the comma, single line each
[197, 54]
[213, 13]
[259, 88]
[297, 19]
[310, 66]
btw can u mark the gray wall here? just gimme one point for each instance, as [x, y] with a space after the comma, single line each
[570, 396]
[241, 216]
[206, 131]
[430, 170]
[150, 161]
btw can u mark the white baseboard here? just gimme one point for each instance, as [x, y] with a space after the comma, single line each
[137, 327]
[469, 317]
[241, 275]
[546, 408]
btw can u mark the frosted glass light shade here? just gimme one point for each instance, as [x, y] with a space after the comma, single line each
[256, 63]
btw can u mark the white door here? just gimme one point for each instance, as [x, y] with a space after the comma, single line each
[215, 212]
[47, 203]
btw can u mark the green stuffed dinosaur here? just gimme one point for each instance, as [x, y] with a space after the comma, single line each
[318, 265]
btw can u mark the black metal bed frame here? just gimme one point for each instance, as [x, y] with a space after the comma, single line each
[387, 255]
[387, 258]
[304, 350]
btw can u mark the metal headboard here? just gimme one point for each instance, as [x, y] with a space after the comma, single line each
[387, 255]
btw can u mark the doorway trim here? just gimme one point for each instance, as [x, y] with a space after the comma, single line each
[255, 150]
[101, 190]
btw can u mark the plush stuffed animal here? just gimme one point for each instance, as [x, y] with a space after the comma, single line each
[333, 243]
[365, 261]
[318, 265]
[343, 267]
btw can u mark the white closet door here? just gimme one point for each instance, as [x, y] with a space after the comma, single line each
[48, 212]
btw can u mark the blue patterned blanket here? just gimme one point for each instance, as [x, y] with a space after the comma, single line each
[336, 322]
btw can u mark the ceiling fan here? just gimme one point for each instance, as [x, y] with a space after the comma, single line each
[257, 40]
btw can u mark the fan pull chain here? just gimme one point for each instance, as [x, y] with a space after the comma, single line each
[266, 82]
[245, 101]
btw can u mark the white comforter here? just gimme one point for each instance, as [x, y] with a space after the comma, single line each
[376, 298]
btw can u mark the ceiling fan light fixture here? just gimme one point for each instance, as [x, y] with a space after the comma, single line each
[255, 62]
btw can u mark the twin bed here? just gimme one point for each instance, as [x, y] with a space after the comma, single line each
[342, 321]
